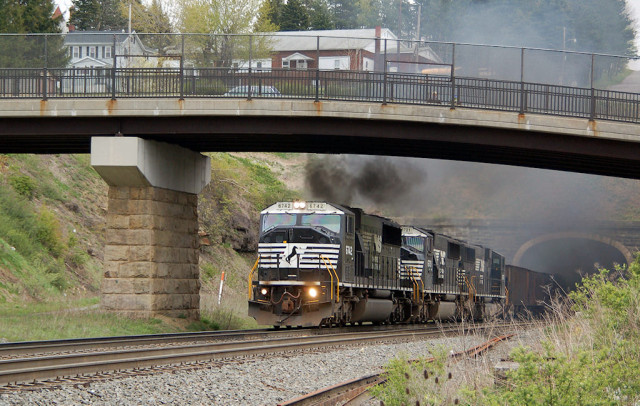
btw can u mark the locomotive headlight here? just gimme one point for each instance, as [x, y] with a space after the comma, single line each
[299, 205]
[313, 292]
[264, 291]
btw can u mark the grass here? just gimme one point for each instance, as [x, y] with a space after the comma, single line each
[586, 351]
[70, 319]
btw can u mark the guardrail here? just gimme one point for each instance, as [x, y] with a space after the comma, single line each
[382, 87]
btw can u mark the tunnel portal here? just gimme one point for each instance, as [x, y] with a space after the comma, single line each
[569, 257]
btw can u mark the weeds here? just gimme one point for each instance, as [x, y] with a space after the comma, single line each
[588, 353]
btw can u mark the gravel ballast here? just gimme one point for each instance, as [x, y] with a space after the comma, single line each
[256, 381]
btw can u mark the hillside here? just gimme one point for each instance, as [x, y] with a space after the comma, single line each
[52, 223]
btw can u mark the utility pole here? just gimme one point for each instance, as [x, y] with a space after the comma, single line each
[417, 51]
[399, 33]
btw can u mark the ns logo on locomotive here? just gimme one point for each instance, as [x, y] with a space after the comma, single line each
[321, 264]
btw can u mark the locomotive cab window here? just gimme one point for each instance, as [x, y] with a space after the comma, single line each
[469, 254]
[350, 224]
[330, 222]
[272, 220]
[417, 243]
[496, 267]
[453, 251]
[391, 235]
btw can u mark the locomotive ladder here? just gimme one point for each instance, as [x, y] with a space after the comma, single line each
[329, 266]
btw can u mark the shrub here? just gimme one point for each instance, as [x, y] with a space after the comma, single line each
[23, 185]
[424, 381]
[593, 357]
[48, 232]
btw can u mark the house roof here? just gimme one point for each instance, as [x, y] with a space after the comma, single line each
[89, 61]
[104, 38]
[298, 57]
[94, 37]
[329, 39]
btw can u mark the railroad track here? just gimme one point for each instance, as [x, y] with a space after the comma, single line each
[28, 371]
[355, 391]
[34, 348]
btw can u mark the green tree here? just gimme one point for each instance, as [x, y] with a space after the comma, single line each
[150, 19]
[370, 14]
[28, 16]
[25, 17]
[215, 18]
[295, 17]
[98, 15]
[271, 12]
[267, 17]
[345, 13]
[320, 16]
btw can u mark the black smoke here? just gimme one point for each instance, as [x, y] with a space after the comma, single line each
[382, 182]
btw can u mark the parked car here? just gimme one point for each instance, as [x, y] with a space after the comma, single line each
[256, 91]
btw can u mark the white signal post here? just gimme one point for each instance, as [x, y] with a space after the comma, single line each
[221, 284]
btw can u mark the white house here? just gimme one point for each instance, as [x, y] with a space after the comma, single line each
[92, 53]
[95, 49]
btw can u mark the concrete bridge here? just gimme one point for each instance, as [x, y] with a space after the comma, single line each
[147, 149]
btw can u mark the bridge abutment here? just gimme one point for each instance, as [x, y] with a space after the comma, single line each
[152, 246]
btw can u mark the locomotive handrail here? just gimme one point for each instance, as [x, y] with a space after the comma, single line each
[416, 288]
[471, 288]
[324, 259]
[251, 276]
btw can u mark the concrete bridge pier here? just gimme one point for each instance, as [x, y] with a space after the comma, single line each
[152, 247]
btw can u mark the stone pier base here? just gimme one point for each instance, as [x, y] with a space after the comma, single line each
[152, 247]
[151, 253]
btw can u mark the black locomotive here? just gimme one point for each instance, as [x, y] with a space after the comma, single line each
[323, 264]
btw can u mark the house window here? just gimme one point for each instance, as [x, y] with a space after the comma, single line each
[91, 51]
[285, 64]
[107, 52]
[259, 65]
[336, 64]
[301, 64]
[76, 52]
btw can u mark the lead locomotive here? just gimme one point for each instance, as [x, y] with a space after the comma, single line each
[322, 264]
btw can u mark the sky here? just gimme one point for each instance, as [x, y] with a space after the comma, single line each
[634, 8]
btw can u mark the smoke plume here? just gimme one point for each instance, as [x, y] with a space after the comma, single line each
[379, 181]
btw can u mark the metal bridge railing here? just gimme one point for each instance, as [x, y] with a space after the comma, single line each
[404, 88]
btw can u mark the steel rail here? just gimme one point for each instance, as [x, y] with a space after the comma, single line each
[28, 369]
[30, 347]
[355, 391]
[96, 343]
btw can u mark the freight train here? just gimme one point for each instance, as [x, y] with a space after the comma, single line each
[323, 264]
